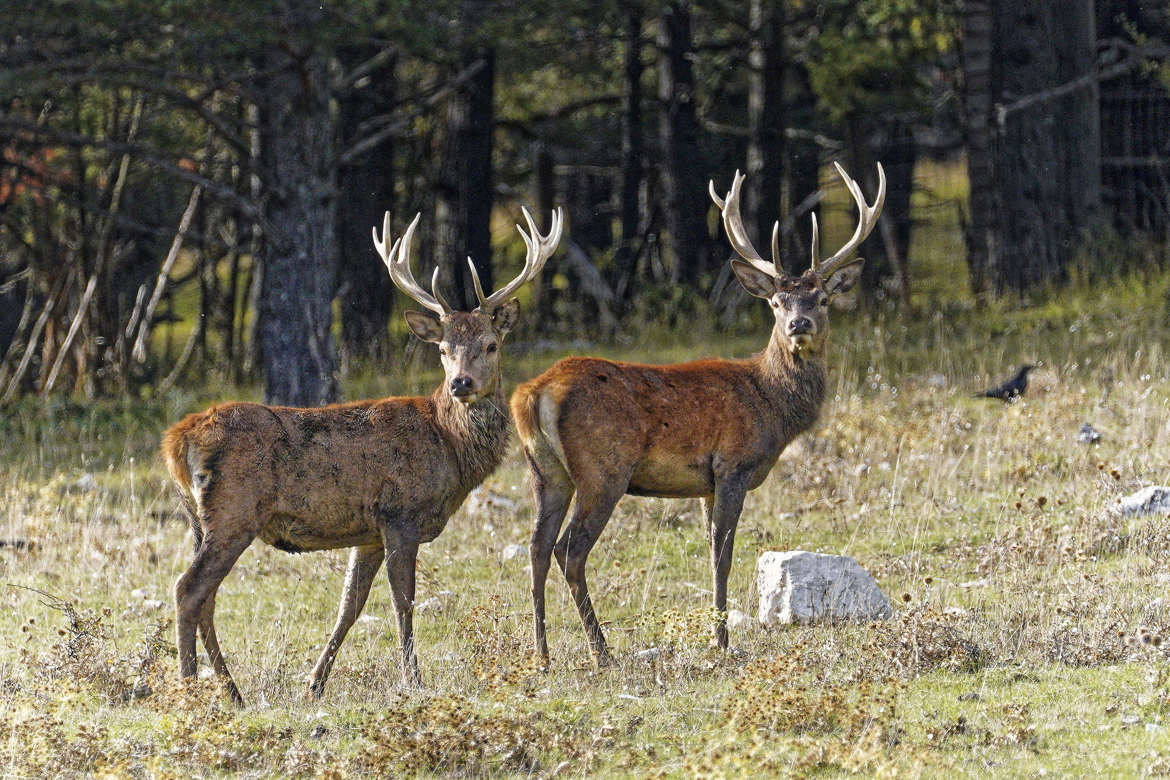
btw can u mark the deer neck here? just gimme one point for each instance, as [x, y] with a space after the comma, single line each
[477, 432]
[795, 383]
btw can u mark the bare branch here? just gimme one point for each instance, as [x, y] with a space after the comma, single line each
[139, 350]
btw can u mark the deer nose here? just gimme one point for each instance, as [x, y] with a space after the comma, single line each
[800, 325]
[461, 385]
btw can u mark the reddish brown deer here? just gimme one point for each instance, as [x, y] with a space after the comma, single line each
[379, 476]
[711, 429]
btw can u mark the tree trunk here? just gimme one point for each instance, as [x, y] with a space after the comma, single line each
[765, 153]
[1045, 172]
[465, 180]
[804, 168]
[683, 170]
[978, 102]
[366, 189]
[626, 257]
[300, 257]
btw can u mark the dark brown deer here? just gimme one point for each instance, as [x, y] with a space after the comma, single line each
[378, 476]
[711, 429]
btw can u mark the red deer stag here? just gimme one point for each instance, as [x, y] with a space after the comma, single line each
[378, 476]
[710, 429]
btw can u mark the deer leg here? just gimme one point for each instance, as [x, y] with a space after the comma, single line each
[193, 589]
[364, 563]
[553, 495]
[211, 643]
[589, 518]
[723, 517]
[401, 546]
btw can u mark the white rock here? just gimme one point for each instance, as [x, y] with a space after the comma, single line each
[1153, 500]
[139, 593]
[482, 501]
[85, 483]
[936, 381]
[433, 604]
[513, 551]
[738, 620]
[648, 654]
[1088, 434]
[367, 618]
[152, 604]
[801, 586]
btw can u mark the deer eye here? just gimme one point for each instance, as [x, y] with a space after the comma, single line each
[824, 301]
[491, 348]
[775, 304]
[443, 351]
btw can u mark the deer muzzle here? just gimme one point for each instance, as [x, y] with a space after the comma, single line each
[462, 389]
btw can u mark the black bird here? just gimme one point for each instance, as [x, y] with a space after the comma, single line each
[1011, 389]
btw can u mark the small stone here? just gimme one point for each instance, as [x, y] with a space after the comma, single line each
[152, 604]
[433, 604]
[937, 381]
[1088, 434]
[738, 620]
[368, 619]
[84, 484]
[513, 551]
[482, 501]
[801, 586]
[648, 654]
[1152, 500]
[969, 696]
[140, 593]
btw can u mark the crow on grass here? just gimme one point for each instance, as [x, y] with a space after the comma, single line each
[1012, 388]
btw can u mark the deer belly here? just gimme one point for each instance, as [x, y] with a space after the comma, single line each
[294, 534]
[672, 477]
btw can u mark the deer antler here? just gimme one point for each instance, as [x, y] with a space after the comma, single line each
[733, 226]
[397, 260]
[540, 248]
[867, 219]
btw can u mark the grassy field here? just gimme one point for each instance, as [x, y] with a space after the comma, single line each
[1028, 637]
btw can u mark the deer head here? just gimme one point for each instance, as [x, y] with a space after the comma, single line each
[799, 303]
[469, 342]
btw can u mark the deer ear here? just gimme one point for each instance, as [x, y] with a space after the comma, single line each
[843, 281]
[755, 281]
[505, 317]
[426, 326]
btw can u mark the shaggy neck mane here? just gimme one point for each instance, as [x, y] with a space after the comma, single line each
[478, 432]
[796, 383]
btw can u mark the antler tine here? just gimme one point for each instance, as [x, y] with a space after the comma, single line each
[816, 241]
[476, 283]
[867, 219]
[733, 226]
[540, 249]
[447, 308]
[397, 260]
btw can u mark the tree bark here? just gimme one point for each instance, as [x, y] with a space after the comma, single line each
[366, 188]
[1045, 170]
[545, 186]
[300, 257]
[803, 168]
[626, 257]
[765, 153]
[683, 170]
[978, 102]
[466, 186]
